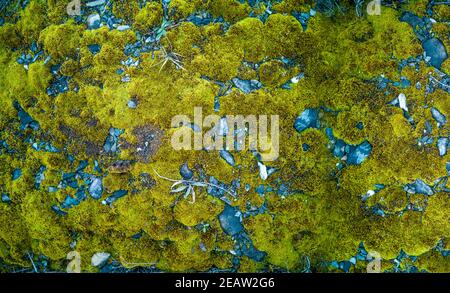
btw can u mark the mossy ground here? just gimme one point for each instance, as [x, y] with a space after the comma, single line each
[339, 56]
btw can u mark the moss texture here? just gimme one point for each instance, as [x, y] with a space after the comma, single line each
[323, 218]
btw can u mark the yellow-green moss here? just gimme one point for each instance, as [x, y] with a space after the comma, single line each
[322, 219]
[148, 17]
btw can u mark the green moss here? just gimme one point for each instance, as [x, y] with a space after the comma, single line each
[148, 17]
[248, 35]
[48, 233]
[230, 10]
[203, 210]
[125, 9]
[180, 9]
[285, 34]
[32, 21]
[61, 40]
[38, 77]
[323, 218]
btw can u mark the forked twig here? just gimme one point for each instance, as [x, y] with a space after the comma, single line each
[189, 185]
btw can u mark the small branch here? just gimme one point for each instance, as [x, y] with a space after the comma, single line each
[32, 262]
[191, 182]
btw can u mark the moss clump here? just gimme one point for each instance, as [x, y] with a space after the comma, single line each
[32, 21]
[230, 10]
[314, 200]
[249, 35]
[179, 9]
[61, 40]
[148, 17]
[39, 76]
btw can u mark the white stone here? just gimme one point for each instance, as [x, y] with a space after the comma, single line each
[99, 259]
[402, 102]
[93, 20]
[262, 171]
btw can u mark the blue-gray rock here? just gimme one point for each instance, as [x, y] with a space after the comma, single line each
[16, 174]
[339, 149]
[5, 198]
[25, 119]
[115, 196]
[95, 3]
[227, 156]
[185, 172]
[244, 246]
[247, 86]
[428, 127]
[359, 153]
[305, 147]
[94, 48]
[438, 116]
[123, 27]
[132, 104]
[39, 176]
[96, 188]
[435, 49]
[58, 210]
[442, 145]
[99, 259]
[69, 202]
[419, 187]
[309, 118]
[110, 145]
[229, 222]
[93, 21]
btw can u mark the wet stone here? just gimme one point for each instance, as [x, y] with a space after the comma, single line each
[99, 259]
[438, 116]
[200, 18]
[305, 147]
[111, 142]
[16, 174]
[244, 247]
[6, 198]
[94, 48]
[39, 177]
[132, 104]
[419, 187]
[435, 49]
[69, 202]
[246, 86]
[229, 222]
[58, 210]
[442, 145]
[185, 172]
[96, 188]
[115, 196]
[309, 118]
[123, 28]
[25, 119]
[359, 153]
[227, 156]
[93, 21]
